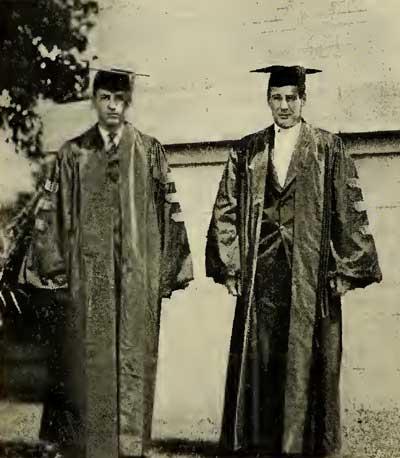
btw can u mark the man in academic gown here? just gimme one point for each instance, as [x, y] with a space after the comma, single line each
[110, 239]
[288, 236]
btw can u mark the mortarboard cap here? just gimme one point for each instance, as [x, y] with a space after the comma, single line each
[116, 70]
[282, 75]
[113, 77]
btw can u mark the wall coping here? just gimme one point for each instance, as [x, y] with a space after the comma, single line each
[360, 145]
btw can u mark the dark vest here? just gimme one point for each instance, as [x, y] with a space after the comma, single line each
[278, 215]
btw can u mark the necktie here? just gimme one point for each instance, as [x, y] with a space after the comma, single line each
[112, 156]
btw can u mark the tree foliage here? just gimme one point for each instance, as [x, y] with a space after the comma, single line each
[41, 42]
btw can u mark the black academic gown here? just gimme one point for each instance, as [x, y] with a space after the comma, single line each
[284, 246]
[113, 233]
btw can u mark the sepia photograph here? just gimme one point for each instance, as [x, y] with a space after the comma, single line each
[199, 229]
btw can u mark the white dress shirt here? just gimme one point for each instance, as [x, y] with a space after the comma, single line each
[285, 143]
[105, 134]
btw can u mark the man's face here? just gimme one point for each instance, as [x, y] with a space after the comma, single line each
[286, 105]
[111, 107]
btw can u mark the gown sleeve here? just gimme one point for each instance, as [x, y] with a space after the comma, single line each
[176, 270]
[45, 263]
[222, 249]
[353, 246]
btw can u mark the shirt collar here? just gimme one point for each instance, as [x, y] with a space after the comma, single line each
[105, 135]
[290, 132]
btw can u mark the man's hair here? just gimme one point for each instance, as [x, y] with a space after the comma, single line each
[113, 82]
[301, 89]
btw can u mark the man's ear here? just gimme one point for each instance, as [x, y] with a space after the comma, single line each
[128, 99]
[304, 99]
[268, 99]
[93, 101]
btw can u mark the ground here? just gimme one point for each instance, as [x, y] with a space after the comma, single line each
[370, 434]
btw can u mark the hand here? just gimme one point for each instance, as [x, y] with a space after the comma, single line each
[343, 286]
[340, 286]
[233, 286]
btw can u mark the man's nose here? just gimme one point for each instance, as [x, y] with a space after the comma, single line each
[111, 104]
[284, 104]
